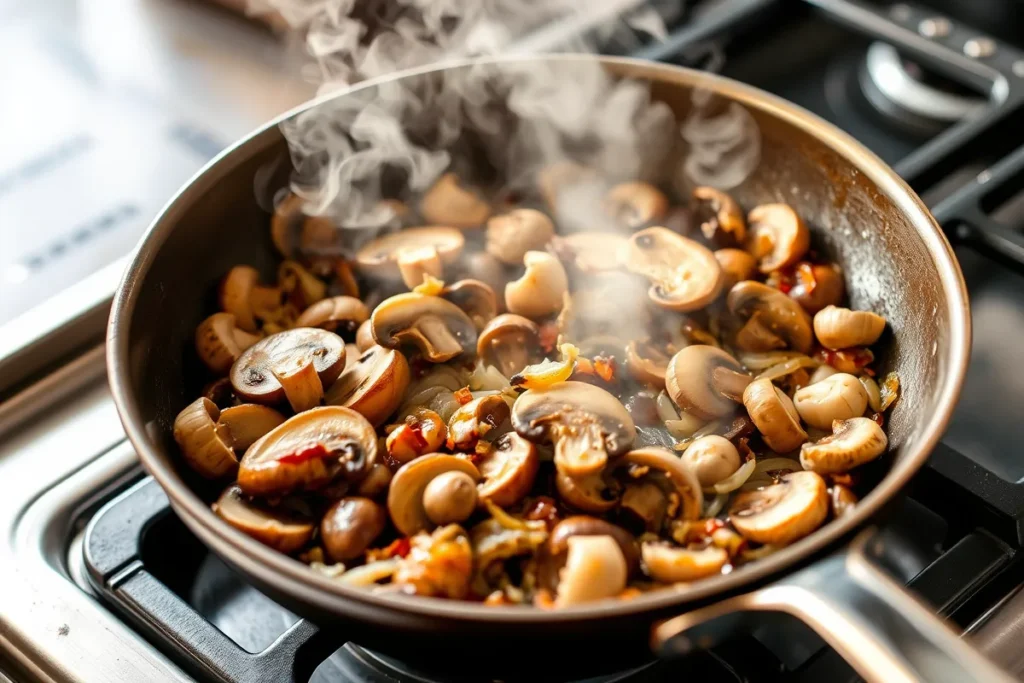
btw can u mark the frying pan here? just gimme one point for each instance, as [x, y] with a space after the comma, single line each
[897, 263]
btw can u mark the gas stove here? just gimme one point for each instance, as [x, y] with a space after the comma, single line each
[91, 549]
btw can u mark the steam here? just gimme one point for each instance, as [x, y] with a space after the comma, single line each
[495, 123]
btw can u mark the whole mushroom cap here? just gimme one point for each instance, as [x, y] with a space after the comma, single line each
[406, 495]
[448, 202]
[774, 416]
[511, 235]
[684, 274]
[349, 527]
[840, 328]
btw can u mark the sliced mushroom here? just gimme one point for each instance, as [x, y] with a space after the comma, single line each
[340, 314]
[449, 203]
[296, 364]
[644, 505]
[511, 235]
[364, 336]
[586, 424]
[774, 416]
[207, 449]
[509, 342]
[671, 564]
[475, 420]
[591, 252]
[852, 443]
[705, 381]
[838, 397]
[778, 315]
[438, 328]
[350, 526]
[380, 257]
[242, 296]
[720, 217]
[422, 432]
[646, 362]
[778, 236]
[272, 528]
[636, 205]
[373, 386]
[712, 458]
[594, 569]
[247, 423]
[302, 288]
[591, 493]
[508, 470]
[219, 342]
[538, 293]
[584, 525]
[842, 501]
[684, 274]
[407, 497]
[841, 328]
[475, 298]
[678, 474]
[781, 513]
[737, 265]
[309, 451]
[295, 234]
[817, 286]
[417, 265]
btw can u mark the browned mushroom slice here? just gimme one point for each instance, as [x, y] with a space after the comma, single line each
[842, 501]
[247, 423]
[475, 298]
[737, 265]
[838, 397]
[591, 252]
[350, 526]
[422, 432]
[379, 258]
[508, 470]
[585, 525]
[272, 528]
[636, 205]
[774, 416]
[682, 479]
[705, 381]
[646, 362]
[671, 564]
[310, 451]
[592, 493]
[295, 234]
[475, 420]
[781, 513]
[720, 217]
[684, 274]
[341, 314]
[540, 291]
[852, 443]
[511, 235]
[438, 328]
[774, 312]
[817, 286]
[586, 424]
[373, 386]
[207, 448]
[296, 364]
[242, 296]
[416, 502]
[219, 342]
[510, 343]
[841, 328]
[449, 203]
[778, 236]
[594, 569]
[364, 336]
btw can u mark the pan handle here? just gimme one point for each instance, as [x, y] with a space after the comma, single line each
[874, 623]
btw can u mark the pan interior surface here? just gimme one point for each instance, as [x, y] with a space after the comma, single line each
[894, 259]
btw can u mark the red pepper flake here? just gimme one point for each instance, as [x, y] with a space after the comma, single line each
[400, 547]
[712, 525]
[304, 454]
[805, 274]
[544, 508]
[585, 367]
[879, 419]
[782, 280]
[604, 366]
[464, 395]
[547, 337]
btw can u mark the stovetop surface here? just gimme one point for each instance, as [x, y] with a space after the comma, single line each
[965, 519]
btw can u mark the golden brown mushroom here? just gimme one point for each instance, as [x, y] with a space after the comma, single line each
[205, 445]
[350, 526]
[296, 234]
[591, 493]
[720, 217]
[672, 564]
[822, 285]
[364, 336]
[594, 569]
[841, 328]
[247, 423]
[684, 274]
[781, 513]
[778, 236]
[705, 381]
[475, 298]
[373, 386]
[771, 317]
[681, 480]
[448, 202]
[407, 497]
[852, 443]
[508, 470]
[422, 432]
[646, 362]
[712, 458]
[219, 342]
[737, 265]
[509, 342]
[437, 327]
[276, 529]
[838, 397]
[511, 235]
[242, 296]
[475, 420]
[308, 452]
[431, 247]
[539, 292]
[636, 205]
[585, 525]
[340, 314]
[774, 416]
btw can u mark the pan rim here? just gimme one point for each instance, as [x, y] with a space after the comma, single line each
[295, 579]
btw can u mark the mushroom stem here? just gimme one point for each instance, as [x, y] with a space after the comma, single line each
[302, 387]
[442, 345]
[730, 383]
[579, 449]
[416, 262]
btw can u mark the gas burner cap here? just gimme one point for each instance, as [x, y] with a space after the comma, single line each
[903, 91]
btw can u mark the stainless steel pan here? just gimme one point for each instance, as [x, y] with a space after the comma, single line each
[897, 262]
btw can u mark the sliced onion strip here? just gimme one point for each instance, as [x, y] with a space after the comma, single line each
[737, 478]
[789, 366]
